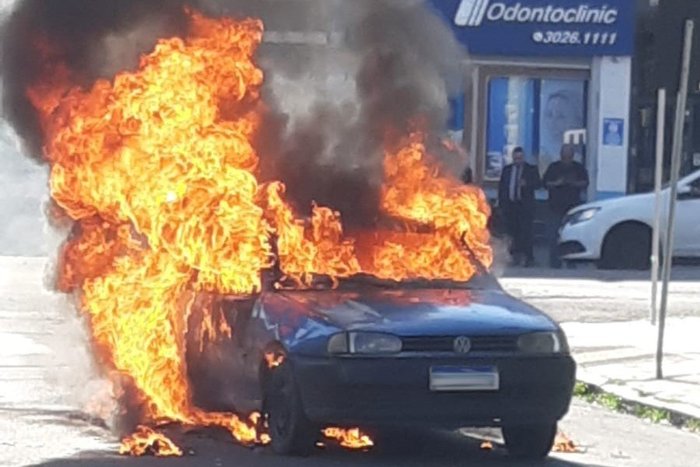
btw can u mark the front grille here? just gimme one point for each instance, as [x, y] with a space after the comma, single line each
[446, 344]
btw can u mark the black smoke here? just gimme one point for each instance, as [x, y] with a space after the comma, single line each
[402, 62]
[399, 63]
[93, 38]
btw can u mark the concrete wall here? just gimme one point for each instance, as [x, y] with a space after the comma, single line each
[609, 99]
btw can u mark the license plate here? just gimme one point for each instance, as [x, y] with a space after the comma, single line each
[460, 378]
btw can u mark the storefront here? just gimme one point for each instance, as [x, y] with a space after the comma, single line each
[543, 72]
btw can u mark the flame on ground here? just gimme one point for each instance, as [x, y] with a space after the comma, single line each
[562, 443]
[146, 441]
[158, 171]
[351, 438]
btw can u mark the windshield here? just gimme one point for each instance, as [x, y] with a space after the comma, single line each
[482, 280]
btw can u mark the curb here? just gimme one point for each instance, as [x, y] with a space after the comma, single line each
[621, 403]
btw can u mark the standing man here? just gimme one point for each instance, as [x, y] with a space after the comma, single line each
[516, 198]
[565, 179]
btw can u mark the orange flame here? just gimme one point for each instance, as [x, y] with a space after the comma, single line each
[453, 213]
[146, 441]
[157, 169]
[351, 438]
[562, 443]
[274, 359]
[486, 446]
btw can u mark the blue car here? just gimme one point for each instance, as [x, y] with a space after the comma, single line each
[383, 354]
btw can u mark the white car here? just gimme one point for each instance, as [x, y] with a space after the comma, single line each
[617, 233]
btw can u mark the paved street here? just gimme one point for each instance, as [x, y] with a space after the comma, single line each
[46, 380]
[589, 295]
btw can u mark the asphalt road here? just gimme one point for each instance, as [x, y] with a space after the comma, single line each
[46, 380]
[589, 295]
[605, 439]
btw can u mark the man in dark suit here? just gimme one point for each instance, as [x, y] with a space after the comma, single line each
[516, 199]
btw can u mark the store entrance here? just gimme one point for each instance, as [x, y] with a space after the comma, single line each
[531, 109]
[537, 109]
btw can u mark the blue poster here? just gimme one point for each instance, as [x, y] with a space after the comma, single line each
[542, 27]
[613, 131]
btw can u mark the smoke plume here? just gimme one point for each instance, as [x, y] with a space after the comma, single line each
[94, 39]
[391, 62]
[341, 78]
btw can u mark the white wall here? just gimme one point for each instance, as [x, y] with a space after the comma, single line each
[610, 92]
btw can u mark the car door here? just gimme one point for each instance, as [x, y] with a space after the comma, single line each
[244, 354]
[687, 234]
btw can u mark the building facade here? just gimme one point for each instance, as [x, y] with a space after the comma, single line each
[657, 64]
[541, 73]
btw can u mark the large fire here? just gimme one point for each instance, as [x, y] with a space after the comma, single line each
[157, 169]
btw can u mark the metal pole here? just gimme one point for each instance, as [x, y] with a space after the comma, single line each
[660, 139]
[675, 169]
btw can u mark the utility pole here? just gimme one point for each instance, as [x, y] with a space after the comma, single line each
[673, 195]
[655, 247]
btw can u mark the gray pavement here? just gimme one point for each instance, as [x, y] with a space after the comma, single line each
[588, 295]
[619, 358]
[606, 317]
[46, 383]
[608, 440]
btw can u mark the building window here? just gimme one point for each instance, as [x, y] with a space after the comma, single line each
[533, 113]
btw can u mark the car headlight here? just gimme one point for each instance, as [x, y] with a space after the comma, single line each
[365, 343]
[582, 216]
[543, 343]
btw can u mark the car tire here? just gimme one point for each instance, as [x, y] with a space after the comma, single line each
[290, 431]
[529, 441]
[627, 246]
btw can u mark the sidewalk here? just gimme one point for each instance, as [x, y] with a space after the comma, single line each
[619, 358]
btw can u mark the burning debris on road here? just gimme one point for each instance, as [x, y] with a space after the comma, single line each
[158, 168]
[349, 438]
[146, 441]
[562, 443]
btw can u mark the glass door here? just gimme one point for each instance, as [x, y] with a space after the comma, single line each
[531, 111]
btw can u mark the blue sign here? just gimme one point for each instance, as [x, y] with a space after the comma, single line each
[555, 28]
[613, 131]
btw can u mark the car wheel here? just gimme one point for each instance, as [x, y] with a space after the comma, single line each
[291, 432]
[530, 441]
[627, 246]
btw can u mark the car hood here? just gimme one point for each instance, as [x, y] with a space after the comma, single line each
[409, 312]
[621, 202]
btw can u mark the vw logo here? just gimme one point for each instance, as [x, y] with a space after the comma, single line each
[462, 344]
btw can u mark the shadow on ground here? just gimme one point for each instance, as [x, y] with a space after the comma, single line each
[433, 448]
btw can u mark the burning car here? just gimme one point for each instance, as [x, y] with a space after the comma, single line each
[158, 169]
[378, 353]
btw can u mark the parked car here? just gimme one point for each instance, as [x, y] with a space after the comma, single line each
[382, 354]
[617, 233]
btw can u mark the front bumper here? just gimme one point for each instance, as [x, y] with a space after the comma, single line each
[580, 241]
[395, 391]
